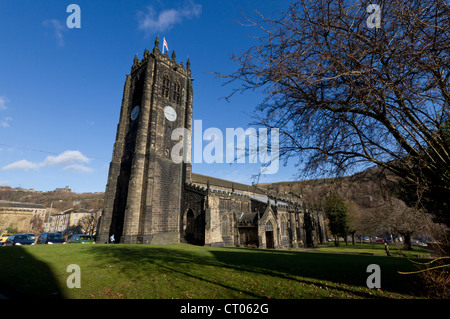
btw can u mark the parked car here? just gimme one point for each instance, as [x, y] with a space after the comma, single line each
[32, 236]
[3, 238]
[81, 238]
[18, 240]
[366, 239]
[51, 238]
[418, 243]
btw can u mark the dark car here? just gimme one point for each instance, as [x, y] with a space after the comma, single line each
[51, 238]
[81, 238]
[32, 236]
[18, 240]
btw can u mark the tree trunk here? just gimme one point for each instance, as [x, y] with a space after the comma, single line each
[407, 241]
[353, 238]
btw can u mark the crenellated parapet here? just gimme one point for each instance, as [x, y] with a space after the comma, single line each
[164, 58]
[195, 188]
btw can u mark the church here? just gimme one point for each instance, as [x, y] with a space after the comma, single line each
[151, 199]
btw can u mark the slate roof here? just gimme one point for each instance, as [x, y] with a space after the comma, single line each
[79, 211]
[263, 199]
[4, 203]
[247, 219]
[213, 181]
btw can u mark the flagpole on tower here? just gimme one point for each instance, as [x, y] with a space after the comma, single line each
[165, 46]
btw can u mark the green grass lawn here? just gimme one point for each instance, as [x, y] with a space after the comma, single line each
[376, 249]
[185, 271]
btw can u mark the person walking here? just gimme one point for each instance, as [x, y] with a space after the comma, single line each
[111, 239]
[386, 247]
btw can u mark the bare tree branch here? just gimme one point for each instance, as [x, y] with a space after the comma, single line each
[343, 94]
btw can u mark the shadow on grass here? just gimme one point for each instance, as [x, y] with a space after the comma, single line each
[24, 276]
[346, 271]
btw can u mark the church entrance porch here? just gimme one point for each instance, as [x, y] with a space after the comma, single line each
[269, 239]
[269, 235]
[248, 237]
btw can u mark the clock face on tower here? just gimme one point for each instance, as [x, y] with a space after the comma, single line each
[135, 113]
[170, 113]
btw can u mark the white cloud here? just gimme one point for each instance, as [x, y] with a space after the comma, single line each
[65, 158]
[3, 101]
[151, 22]
[4, 183]
[71, 160]
[22, 164]
[78, 168]
[57, 27]
[5, 122]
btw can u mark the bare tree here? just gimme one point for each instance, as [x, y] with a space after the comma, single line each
[37, 223]
[403, 220]
[353, 219]
[344, 94]
[88, 224]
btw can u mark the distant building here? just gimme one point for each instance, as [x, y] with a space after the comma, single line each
[63, 190]
[75, 220]
[25, 217]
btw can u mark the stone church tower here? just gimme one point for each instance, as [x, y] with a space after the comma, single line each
[152, 199]
[145, 189]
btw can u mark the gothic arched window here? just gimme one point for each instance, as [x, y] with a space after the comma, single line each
[283, 225]
[177, 93]
[225, 226]
[166, 86]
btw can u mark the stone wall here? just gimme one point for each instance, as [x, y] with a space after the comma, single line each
[22, 219]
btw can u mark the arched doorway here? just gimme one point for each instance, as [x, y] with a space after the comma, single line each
[190, 226]
[269, 235]
[194, 232]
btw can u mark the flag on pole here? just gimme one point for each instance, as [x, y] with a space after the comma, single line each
[165, 45]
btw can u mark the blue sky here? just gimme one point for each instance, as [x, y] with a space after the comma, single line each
[61, 88]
